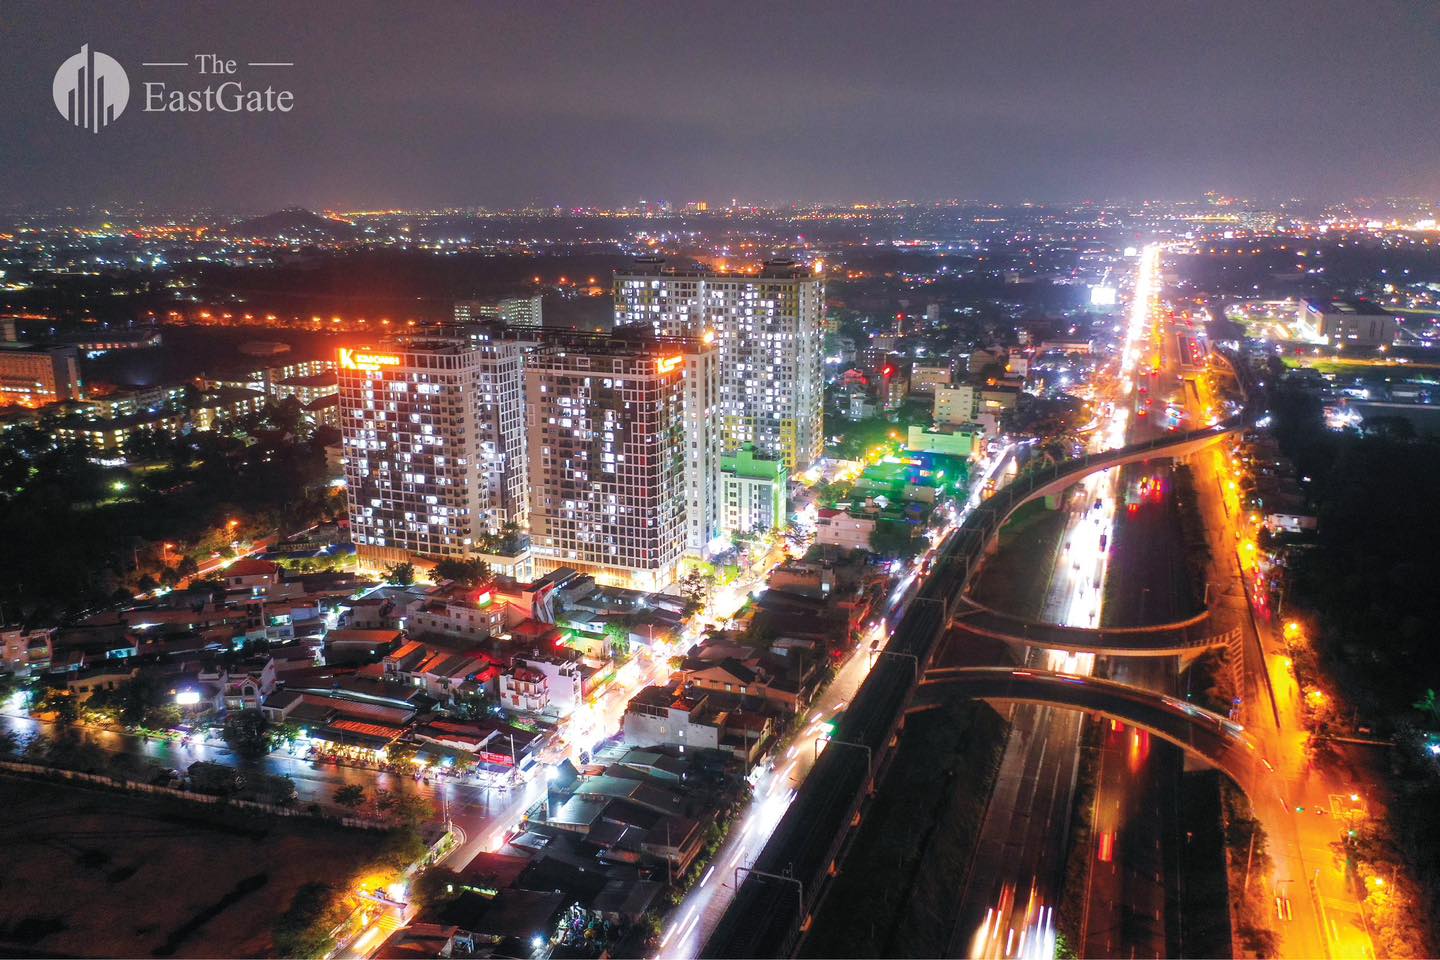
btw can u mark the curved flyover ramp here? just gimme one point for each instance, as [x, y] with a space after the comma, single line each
[1217, 740]
[1178, 638]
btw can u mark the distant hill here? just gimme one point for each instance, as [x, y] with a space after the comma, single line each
[294, 225]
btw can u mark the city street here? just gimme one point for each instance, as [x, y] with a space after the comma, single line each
[481, 812]
[691, 922]
[1325, 918]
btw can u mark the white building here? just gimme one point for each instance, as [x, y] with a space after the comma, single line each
[843, 530]
[955, 405]
[611, 455]
[522, 311]
[434, 446]
[768, 328]
[564, 683]
[703, 520]
[927, 375]
[753, 492]
[1357, 323]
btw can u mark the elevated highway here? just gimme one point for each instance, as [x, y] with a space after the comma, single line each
[1217, 740]
[776, 897]
[1182, 638]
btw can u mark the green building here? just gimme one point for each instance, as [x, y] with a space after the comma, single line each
[951, 441]
[752, 493]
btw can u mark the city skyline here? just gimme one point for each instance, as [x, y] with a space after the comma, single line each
[720, 480]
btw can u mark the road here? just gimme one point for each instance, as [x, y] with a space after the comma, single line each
[1137, 776]
[690, 924]
[1126, 890]
[480, 811]
[1007, 901]
[692, 921]
[1326, 918]
[1006, 904]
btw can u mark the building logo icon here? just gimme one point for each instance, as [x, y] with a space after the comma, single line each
[91, 89]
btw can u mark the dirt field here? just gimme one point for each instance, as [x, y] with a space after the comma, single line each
[90, 873]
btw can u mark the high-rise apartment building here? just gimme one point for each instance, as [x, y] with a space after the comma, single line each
[434, 442]
[520, 311]
[768, 333]
[621, 478]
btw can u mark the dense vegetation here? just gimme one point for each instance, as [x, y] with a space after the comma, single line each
[78, 534]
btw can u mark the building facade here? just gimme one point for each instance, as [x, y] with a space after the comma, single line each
[606, 419]
[434, 446]
[521, 311]
[1357, 323]
[842, 529]
[955, 405]
[769, 333]
[753, 493]
[35, 376]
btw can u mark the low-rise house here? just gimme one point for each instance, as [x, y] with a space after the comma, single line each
[350, 646]
[694, 720]
[25, 649]
[340, 719]
[508, 925]
[677, 840]
[423, 941]
[840, 528]
[105, 675]
[442, 672]
[744, 679]
[625, 900]
[489, 741]
[462, 612]
[524, 689]
[565, 682]
[252, 576]
[245, 685]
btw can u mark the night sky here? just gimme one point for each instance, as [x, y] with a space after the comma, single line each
[505, 104]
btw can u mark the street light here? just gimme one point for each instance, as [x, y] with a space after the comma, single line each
[799, 907]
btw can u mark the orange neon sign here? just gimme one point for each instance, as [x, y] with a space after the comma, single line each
[668, 364]
[365, 360]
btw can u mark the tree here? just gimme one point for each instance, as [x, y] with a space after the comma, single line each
[284, 733]
[401, 754]
[470, 571]
[247, 733]
[304, 929]
[351, 796]
[62, 703]
[141, 698]
[618, 636]
[695, 587]
[893, 538]
[472, 705]
[400, 574]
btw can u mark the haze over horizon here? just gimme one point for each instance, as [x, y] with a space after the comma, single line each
[486, 105]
